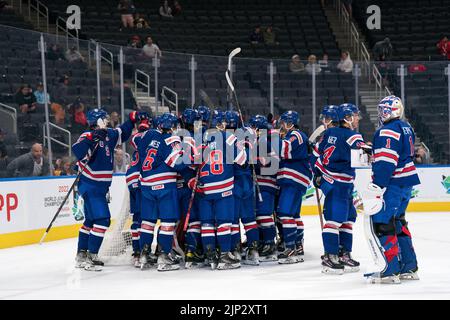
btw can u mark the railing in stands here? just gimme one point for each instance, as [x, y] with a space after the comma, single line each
[12, 112]
[69, 135]
[105, 55]
[137, 81]
[41, 13]
[61, 25]
[166, 99]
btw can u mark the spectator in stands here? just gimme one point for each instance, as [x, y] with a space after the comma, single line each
[312, 65]
[382, 50]
[114, 120]
[73, 55]
[128, 97]
[26, 100]
[30, 164]
[176, 8]
[39, 95]
[66, 167]
[135, 42]
[270, 36]
[140, 22]
[296, 64]
[151, 50]
[57, 167]
[62, 91]
[127, 10]
[444, 47]
[121, 161]
[420, 156]
[346, 64]
[165, 10]
[55, 53]
[324, 64]
[256, 36]
[77, 110]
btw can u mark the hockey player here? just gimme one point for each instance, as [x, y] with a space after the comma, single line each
[193, 253]
[215, 192]
[268, 187]
[393, 176]
[346, 229]
[244, 193]
[334, 176]
[95, 152]
[293, 178]
[160, 155]
[132, 179]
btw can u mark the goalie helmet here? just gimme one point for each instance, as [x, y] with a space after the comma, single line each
[94, 115]
[391, 107]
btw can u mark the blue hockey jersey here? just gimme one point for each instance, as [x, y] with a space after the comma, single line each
[334, 150]
[99, 170]
[160, 156]
[294, 167]
[133, 171]
[217, 170]
[266, 159]
[393, 152]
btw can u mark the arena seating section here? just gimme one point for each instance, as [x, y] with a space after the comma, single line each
[414, 28]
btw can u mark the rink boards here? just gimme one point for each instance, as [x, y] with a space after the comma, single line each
[27, 205]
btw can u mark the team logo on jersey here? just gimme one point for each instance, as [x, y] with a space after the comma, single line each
[446, 183]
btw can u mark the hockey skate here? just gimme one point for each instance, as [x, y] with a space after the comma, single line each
[252, 255]
[136, 259]
[80, 259]
[267, 253]
[350, 265]
[147, 259]
[211, 258]
[331, 264]
[299, 251]
[379, 278]
[92, 263]
[194, 260]
[228, 261]
[238, 252]
[410, 275]
[169, 261]
[288, 256]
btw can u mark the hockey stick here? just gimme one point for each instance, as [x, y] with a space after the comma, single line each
[230, 84]
[312, 138]
[83, 167]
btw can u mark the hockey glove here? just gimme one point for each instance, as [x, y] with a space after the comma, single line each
[99, 135]
[373, 199]
[136, 116]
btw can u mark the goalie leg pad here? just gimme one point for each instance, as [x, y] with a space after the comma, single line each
[408, 259]
[389, 242]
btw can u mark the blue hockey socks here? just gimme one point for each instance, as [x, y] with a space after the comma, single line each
[97, 234]
[165, 235]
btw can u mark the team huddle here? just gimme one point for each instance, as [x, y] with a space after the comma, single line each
[197, 180]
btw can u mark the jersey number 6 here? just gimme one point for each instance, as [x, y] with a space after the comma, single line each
[148, 161]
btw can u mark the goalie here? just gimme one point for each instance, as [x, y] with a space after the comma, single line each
[387, 197]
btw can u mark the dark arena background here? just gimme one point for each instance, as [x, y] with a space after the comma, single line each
[61, 59]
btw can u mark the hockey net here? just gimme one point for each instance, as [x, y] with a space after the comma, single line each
[116, 246]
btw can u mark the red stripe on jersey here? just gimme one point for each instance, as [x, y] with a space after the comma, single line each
[389, 133]
[94, 175]
[288, 173]
[385, 154]
[331, 226]
[405, 170]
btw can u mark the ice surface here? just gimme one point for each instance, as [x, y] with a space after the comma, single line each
[47, 272]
